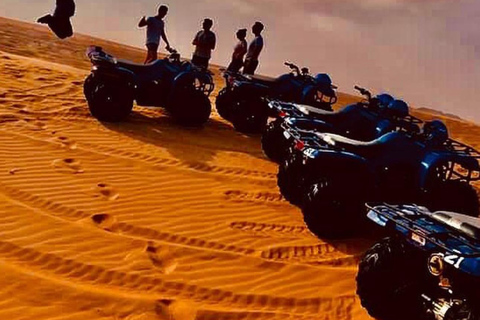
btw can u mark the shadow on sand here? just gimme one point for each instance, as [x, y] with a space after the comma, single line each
[187, 144]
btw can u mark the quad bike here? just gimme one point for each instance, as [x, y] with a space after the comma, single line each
[365, 120]
[338, 175]
[244, 100]
[427, 269]
[394, 117]
[180, 87]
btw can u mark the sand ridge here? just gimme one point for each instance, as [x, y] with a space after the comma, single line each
[145, 219]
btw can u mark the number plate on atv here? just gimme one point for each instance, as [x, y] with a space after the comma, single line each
[286, 135]
[418, 239]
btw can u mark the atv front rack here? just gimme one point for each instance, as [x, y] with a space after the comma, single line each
[398, 216]
[461, 149]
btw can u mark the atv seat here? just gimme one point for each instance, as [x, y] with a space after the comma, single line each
[364, 148]
[312, 111]
[266, 81]
[137, 67]
[467, 225]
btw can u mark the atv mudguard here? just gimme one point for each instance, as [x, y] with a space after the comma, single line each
[435, 159]
[186, 78]
[383, 127]
[336, 162]
[107, 73]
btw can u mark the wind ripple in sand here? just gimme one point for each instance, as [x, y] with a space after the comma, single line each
[96, 275]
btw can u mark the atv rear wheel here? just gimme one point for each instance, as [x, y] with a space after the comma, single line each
[289, 180]
[453, 195]
[108, 102]
[273, 142]
[388, 282]
[189, 107]
[330, 212]
[249, 115]
[224, 102]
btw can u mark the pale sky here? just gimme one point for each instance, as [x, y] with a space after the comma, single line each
[424, 51]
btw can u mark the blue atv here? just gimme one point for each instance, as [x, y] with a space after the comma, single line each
[428, 268]
[244, 100]
[365, 120]
[299, 142]
[180, 87]
[340, 174]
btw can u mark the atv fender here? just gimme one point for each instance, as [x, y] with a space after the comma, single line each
[383, 127]
[433, 160]
[105, 73]
[343, 165]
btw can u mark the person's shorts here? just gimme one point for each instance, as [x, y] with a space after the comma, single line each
[250, 66]
[200, 61]
[152, 47]
[235, 65]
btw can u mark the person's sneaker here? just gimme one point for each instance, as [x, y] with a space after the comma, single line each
[45, 19]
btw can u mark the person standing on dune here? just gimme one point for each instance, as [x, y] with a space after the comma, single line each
[254, 50]
[155, 31]
[59, 22]
[239, 51]
[204, 43]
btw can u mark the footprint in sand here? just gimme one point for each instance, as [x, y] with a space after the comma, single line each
[105, 221]
[67, 143]
[176, 310]
[106, 191]
[68, 165]
[162, 258]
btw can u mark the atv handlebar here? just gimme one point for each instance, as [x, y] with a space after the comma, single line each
[293, 67]
[363, 92]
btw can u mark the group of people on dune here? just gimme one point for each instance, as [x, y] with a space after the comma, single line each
[244, 56]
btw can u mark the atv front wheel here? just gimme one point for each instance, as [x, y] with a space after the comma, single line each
[108, 102]
[330, 212]
[224, 102]
[388, 282]
[273, 142]
[453, 195]
[290, 179]
[190, 107]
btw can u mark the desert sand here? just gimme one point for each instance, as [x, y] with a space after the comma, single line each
[146, 219]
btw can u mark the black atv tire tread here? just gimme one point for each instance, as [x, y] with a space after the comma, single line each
[328, 220]
[386, 269]
[101, 110]
[222, 104]
[271, 142]
[189, 107]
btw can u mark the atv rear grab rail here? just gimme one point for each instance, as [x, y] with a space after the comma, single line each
[397, 216]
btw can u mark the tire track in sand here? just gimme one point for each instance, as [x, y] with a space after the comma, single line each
[96, 275]
[322, 254]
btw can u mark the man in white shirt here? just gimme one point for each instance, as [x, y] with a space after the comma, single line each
[155, 31]
[254, 50]
[204, 43]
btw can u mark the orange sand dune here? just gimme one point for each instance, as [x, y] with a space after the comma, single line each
[145, 219]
